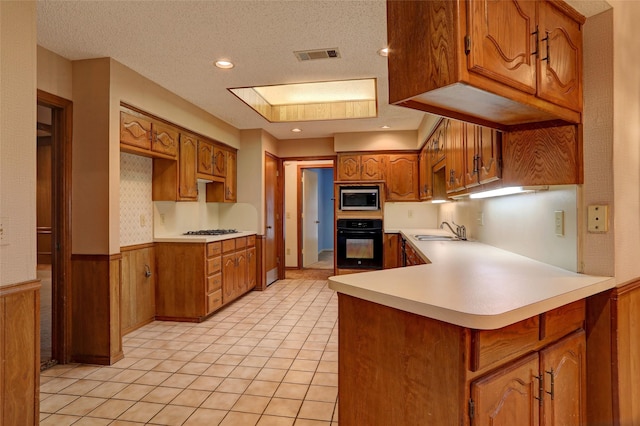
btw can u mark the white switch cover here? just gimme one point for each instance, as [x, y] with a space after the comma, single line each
[559, 222]
[597, 218]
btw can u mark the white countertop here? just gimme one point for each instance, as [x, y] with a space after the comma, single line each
[471, 284]
[200, 238]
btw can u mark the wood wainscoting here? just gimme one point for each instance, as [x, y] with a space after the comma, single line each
[138, 286]
[20, 354]
[613, 354]
[96, 336]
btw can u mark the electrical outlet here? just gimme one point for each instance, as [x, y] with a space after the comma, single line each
[143, 221]
[597, 218]
[559, 222]
[480, 219]
[410, 213]
[162, 218]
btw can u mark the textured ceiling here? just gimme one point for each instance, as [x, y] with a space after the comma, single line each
[174, 44]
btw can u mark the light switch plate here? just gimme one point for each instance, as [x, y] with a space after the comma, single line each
[559, 222]
[597, 218]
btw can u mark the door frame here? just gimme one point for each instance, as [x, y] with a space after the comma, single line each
[299, 197]
[279, 219]
[62, 122]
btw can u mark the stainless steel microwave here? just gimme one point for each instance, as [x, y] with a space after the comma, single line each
[359, 198]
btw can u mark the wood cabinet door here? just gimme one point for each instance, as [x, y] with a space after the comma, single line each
[241, 273]
[502, 42]
[506, 397]
[425, 175]
[205, 157]
[390, 251]
[187, 182]
[560, 58]
[165, 139]
[436, 143]
[372, 167]
[135, 131]
[490, 149]
[229, 277]
[454, 155]
[230, 181]
[252, 263]
[563, 365]
[402, 177]
[219, 162]
[471, 155]
[348, 167]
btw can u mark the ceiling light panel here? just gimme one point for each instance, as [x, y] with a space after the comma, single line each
[311, 93]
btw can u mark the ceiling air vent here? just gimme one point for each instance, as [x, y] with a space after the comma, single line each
[307, 55]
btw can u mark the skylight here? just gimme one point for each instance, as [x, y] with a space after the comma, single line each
[330, 100]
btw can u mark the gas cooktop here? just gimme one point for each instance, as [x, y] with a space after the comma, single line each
[212, 232]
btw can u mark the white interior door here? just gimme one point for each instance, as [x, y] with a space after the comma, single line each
[309, 217]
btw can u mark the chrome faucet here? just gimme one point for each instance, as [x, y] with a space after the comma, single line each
[460, 231]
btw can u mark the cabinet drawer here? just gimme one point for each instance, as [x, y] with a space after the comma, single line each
[561, 321]
[493, 346]
[214, 300]
[228, 245]
[241, 242]
[251, 240]
[214, 265]
[214, 249]
[214, 283]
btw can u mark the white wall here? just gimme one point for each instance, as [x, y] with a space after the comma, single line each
[376, 141]
[523, 224]
[410, 215]
[18, 64]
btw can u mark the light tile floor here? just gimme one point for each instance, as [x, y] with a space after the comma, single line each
[268, 359]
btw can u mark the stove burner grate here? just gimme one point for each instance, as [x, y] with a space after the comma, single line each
[212, 232]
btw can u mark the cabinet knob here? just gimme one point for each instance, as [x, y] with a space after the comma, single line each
[147, 271]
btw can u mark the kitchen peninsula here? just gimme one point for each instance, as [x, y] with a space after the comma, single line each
[478, 333]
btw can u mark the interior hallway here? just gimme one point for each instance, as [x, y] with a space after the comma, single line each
[269, 358]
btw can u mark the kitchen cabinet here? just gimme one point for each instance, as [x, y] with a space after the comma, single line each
[457, 375]
[223, 190]
[177, 180]
[494, 63]
[205, 158]
[143, 135]
[187, 181]
[401, 177]
[547, 156]
[137, 295]
[454, 155]
[391, 252]
[361, 167]
[196, 279]
[482, 148]
[425, 174]
[409, 255]
[546, 387]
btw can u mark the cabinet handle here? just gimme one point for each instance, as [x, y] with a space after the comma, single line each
[540, 396]
[550, 373]
[537, 42]
[147, 271]
[452, 177]
[546, 39]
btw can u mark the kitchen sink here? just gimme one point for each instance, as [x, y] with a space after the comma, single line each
[426, 237]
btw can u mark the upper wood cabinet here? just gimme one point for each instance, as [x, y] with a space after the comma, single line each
[231, 181]
[224, 188]
[219, 161]
[482, 155]
[454, 151]
[205, 157]
[361, 167]
[496, 63]
[401, 177]
[425, 174]
[187, 182]
[142, 135]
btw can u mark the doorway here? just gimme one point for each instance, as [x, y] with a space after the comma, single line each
[316, 218]
[53, 224]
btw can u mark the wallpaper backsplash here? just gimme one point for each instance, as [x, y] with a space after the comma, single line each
[136, 207]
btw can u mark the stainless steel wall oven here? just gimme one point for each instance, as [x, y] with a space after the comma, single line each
[359, 244]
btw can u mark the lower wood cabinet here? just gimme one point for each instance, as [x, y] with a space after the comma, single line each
[429, 372]
[137, 294]
[391, 252]
[195, 279]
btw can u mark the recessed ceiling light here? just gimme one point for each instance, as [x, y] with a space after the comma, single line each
[225, 65]
[384, 51]
[296, 130]
[385, 127]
